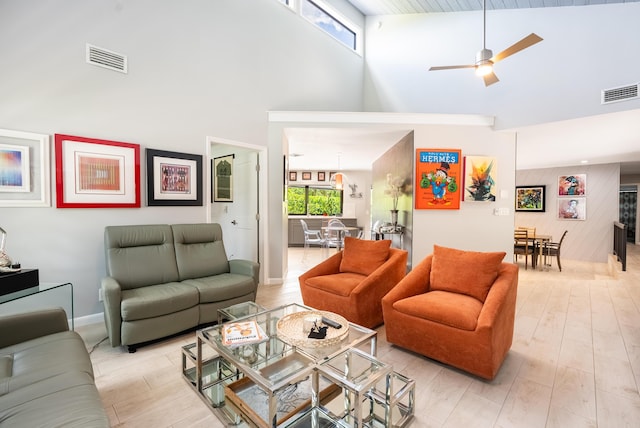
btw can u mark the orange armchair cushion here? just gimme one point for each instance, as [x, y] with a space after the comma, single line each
[465, 272]
[452, 309]
[364, 256]
[341, 284]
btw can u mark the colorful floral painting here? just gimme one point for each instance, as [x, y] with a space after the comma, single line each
[480, 174]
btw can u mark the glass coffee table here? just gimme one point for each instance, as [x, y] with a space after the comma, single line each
[283, 382]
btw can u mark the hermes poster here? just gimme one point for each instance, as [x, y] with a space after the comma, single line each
[438, 178]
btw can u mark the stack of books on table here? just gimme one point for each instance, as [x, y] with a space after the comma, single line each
[242, 333]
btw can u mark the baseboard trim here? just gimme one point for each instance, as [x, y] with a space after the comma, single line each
[89, 319]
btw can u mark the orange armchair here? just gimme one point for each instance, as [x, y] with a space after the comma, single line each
[457, 307]
[352, 282]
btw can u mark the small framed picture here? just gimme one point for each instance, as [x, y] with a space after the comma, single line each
[572, 185]
[321, 176]
[222, 178]
[306, 175]
[572, 209]
[293, 176]
[530, 198]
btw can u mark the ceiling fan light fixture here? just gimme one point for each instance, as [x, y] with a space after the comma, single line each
[484, 68]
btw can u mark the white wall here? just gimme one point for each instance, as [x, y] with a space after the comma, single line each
[589, 240]
[474, 226]
[585, 49]
[196, 69]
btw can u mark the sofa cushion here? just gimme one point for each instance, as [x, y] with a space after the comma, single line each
[364, 256]
[341, 284]
[199, 250]
[466, 272]
[65, 400]
[157, 300]
[452, 309]
[140, 255]
[222, 287]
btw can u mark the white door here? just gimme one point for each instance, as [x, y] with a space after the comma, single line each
[238, 218]
[242, 214]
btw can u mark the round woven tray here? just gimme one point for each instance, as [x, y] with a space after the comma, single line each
[290, 330]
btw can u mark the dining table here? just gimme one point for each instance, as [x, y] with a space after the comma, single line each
[539, 242]
[341, 231]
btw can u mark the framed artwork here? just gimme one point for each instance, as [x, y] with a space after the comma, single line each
[572, 185]
[480, 174]
[306, 175]
[530, 198]
[173, 179]
[222, 176]
[438, 179]
[572, 209]
[92, 173]
[321, 176]
[24, 169]
[293, 176]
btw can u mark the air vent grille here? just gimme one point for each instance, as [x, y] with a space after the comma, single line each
[106, 59]
[622, 93]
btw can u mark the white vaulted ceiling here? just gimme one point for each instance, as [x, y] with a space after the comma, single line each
[398, 7]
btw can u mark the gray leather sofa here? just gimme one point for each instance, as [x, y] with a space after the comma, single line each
[46, 377]
[165, 279]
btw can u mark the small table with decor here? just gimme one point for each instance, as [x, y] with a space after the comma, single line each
[288, 379]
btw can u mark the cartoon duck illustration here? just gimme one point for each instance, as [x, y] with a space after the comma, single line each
[440, 183]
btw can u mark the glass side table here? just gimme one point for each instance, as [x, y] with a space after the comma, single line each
[239, 310]
[45, 295]
[357, 373]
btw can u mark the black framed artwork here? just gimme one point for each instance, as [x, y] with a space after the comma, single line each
[173, 178]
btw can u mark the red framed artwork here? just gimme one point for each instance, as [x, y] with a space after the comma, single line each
[92, 173]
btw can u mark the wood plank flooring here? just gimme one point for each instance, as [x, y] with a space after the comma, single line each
[575, 361]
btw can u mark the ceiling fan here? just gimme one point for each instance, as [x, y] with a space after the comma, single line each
[485, 58]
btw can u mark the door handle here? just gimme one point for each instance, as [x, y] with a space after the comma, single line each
[233, 222]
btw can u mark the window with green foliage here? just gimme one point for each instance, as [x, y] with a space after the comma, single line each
[314, 201]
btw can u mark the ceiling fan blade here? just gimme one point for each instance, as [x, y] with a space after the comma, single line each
[490, 79]
[451, 67]
[528, 41]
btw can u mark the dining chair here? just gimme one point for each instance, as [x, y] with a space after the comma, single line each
[311, 236]
[334, 237]
[523, 245]
[553, 249]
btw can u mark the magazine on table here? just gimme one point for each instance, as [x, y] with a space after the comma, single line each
[242, 333]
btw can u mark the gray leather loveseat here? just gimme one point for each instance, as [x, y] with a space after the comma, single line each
[165, 279]
[46, 377]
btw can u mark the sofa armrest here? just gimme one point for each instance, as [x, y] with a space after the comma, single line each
[416, 282]
[20, 327]
[245, 267]
[112, 294]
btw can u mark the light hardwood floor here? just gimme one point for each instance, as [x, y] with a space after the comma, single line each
[575, 360]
